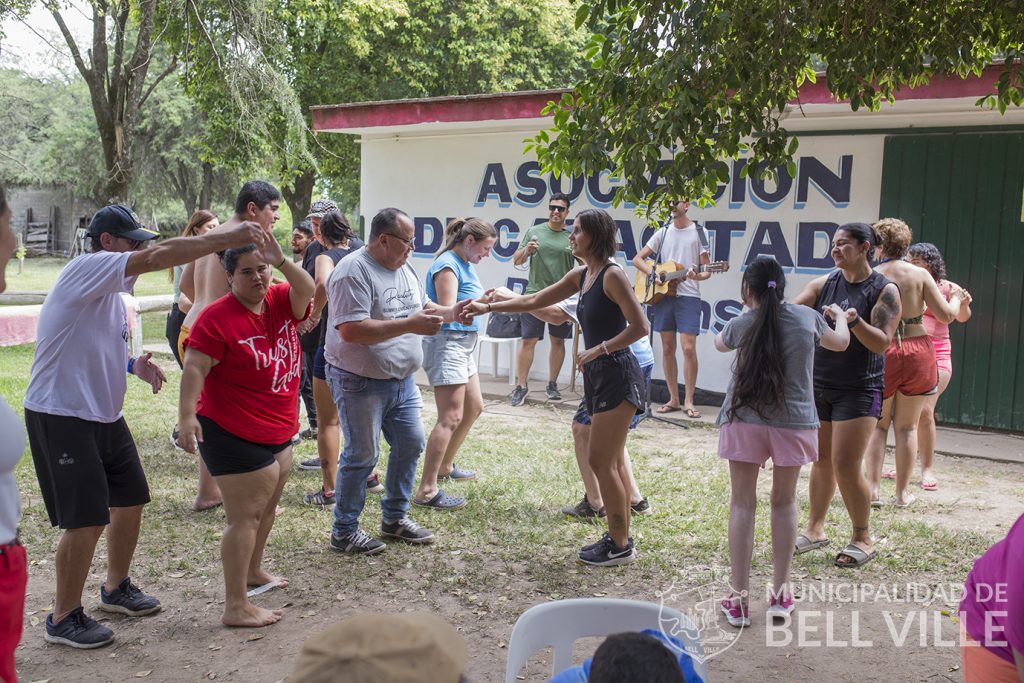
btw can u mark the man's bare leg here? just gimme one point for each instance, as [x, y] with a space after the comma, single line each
[524, 360]
[122, 537]
[670, 367]
[688, 342]
[75, 551]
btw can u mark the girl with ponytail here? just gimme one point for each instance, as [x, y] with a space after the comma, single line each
[769, 413]
[448, 359]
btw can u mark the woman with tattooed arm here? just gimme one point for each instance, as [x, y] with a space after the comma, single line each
[848, 388]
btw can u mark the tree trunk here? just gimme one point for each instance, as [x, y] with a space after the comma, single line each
[206, 190]
[299, 196]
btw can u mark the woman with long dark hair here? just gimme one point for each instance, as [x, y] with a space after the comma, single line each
[769, 414]
[848, 388]
[911, 372]
[448, 359]
[926, 255]
[613, 384]
[336, 238]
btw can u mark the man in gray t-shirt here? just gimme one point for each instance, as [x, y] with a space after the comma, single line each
[378, 312]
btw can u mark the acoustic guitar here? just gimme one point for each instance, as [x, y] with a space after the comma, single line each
[651, 288]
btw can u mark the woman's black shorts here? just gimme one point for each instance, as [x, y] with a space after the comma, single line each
[225, 453]
[610, 380]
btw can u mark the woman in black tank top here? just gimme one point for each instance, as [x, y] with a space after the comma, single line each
[612, 319]
[848, 388]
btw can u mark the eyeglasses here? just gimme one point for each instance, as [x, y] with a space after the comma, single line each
[411, 243]
[559, 209]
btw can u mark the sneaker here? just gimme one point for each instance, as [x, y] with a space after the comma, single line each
[373, 483]
[641, 508]
[736, 611]
[311, 464]
[128, 599]
[781, 607]
[583, 510]
[552, 392]
[519, 395]
[357, 543]
[321, 498]
[407, 530]
[308, 434]
[174, 438]
[79, 630]
[605, 553]
[458, 474]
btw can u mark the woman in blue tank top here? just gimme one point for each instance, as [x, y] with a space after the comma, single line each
[848, 388]
[449, 361]
[612, 319]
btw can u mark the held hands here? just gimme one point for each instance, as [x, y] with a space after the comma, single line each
[249, 232]
[834, 312]
[145, 369]
[190, 434]
[307, 325]
[270, 251]
[473, 309]
[424, 323]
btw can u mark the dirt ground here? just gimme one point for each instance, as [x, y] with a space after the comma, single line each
[839, 615]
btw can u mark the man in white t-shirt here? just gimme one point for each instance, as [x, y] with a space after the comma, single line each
[679, 311]
[85, 458]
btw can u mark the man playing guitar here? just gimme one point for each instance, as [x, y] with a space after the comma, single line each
[679, 311]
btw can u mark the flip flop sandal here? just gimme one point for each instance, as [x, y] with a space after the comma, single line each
[855, 553]
[891, 474]
[693, 413]
[269, 586]
[930, 485]
[667, 409]
[442, 501]
[904, 505]
[808, 545]
[878, 503]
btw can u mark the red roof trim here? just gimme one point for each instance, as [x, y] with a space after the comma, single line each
[528, 105]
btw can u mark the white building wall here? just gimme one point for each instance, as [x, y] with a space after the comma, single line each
[449, 171]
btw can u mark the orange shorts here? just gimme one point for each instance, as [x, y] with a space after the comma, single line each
[983, 666]
[910, 367]
[182, 336]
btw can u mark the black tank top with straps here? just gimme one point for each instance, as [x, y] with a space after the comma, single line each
[856, 367]
[600, 317]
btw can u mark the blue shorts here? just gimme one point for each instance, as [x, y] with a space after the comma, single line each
[320, 364]
[533, 328]
[677, 314]
[583, 415]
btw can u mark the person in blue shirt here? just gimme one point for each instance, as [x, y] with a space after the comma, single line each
[449, 361]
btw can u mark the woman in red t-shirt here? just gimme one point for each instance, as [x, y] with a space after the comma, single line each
[242, 363]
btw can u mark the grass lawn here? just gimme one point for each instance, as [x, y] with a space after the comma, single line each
[39, 274]
[509, 549]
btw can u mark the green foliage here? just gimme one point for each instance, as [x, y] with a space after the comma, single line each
[708, 80]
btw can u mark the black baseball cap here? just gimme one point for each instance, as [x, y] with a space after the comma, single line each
[120, 221]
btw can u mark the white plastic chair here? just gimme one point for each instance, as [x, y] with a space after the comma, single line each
[496, 343]
[561, 623]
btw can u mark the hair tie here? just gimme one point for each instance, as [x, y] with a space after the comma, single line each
[771, 284]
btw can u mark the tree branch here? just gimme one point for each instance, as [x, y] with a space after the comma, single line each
[171, 68]
[73, 46]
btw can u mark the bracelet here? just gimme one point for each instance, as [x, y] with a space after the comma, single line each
[131, 364]
[488, 308]
[853, 324]
[283, 259]
[604, 345]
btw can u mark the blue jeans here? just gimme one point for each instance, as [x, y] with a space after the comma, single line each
[367, 408]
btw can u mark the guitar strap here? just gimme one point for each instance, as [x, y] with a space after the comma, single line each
[702, 235]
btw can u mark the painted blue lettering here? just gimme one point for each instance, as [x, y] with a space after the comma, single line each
[834, 187]
[626, 244]
[494, 185]
[507, 242]
[726, 310]
[425, 245]
[721, 234]
[768, 240]
[761, 195]
[517, 284]
[530, 184]
[738, 193]
[814, 238]
[597, 196]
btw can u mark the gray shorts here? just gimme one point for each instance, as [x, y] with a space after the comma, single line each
[448, 357]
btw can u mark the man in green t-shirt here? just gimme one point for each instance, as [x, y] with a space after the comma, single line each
[546, 247]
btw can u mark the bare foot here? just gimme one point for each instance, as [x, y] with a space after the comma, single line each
[206, 504]
[251, 616]
[262, 578]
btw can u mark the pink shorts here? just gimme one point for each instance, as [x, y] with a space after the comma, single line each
[756, 443]
[943, 354]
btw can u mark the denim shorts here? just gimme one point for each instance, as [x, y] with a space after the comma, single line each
[677, 314]
[583, 416]
[319, 364]
[448, 357]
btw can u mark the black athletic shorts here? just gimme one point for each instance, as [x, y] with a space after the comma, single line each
[610, 380]
[837, 405]
[225, 453]
[84, 468]
[531, 327]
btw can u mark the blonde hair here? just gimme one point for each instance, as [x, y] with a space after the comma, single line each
[460, 228]
[894, 237]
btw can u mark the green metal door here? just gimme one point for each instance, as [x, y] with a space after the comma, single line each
[962, 191]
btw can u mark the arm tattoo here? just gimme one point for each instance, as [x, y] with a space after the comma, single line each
[886, 309]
